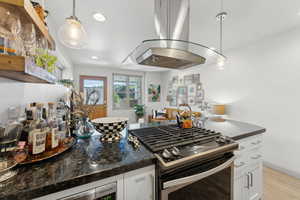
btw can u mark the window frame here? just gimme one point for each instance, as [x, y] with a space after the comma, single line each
[127, 90]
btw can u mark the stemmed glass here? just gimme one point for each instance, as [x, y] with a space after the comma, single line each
[29, 38]
[16, 41]
[4, 31]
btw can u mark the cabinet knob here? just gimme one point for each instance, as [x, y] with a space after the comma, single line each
[241, 148]
[257, 142]
[240, 165]
[256, 157]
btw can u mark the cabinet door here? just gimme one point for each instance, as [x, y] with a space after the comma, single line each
[241, 187]
[255, 191]
[140, 184]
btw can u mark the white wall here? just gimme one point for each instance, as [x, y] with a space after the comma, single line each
[13, 93]
[261, 85]
[149, 77]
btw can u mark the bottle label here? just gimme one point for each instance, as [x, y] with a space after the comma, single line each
[55, 138]
[38, 141]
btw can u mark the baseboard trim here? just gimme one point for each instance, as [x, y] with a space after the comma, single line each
[281, 169]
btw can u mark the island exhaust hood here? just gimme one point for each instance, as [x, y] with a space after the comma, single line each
[173, 49]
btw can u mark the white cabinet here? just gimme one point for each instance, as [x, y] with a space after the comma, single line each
[240, 192]
[140, 184]
[255, 183]
[248, 176]
[134, 185]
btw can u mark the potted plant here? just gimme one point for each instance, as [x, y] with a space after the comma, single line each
[139, 112]
[45, 60]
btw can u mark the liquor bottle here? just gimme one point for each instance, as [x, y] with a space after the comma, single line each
[37, 133]
[53, 135]
[30, 113]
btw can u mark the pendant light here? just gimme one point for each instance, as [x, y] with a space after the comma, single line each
[72, 33]
[221, 17]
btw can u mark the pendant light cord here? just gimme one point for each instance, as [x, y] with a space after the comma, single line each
[221, 28]
[221, 35]
[74, 7]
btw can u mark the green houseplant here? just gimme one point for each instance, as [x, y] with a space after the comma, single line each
[139, 111]
[45, 60]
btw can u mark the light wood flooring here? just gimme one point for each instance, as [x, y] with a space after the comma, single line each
[279, 186]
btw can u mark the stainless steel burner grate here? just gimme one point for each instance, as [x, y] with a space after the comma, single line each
[164, 137]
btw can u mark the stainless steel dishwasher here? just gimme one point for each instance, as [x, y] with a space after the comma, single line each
[106, 192]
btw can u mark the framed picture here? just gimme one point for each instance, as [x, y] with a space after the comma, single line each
[169, 98]
[175, 79]
[182, 91]
[171, 92]
[200, 94]
[196, 78]
[199, 86]
[173, 101]
[188, 79]
[181, 81]
[192, 90]
[191, 100]
[198, 100]
[154, 93]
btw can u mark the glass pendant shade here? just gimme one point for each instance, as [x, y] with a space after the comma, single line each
[72, 34]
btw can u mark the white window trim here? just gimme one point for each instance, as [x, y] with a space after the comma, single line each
[127, 91]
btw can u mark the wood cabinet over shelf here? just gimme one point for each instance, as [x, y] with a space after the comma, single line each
[28, 14]
[16, 68]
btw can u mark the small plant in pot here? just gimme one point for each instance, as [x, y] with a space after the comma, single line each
[139, 111]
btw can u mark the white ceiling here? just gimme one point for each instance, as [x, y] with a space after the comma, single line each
[129, 22]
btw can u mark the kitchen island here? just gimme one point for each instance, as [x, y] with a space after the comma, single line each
[86, 162]
[89, 161]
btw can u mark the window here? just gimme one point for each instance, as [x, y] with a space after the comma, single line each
[127, 91]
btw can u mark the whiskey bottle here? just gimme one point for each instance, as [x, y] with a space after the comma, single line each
[37, 133]
[53, 136]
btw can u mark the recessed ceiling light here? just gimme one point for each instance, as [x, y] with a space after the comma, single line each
[95, 57]
[99, 17]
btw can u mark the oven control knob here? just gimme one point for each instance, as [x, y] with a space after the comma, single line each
[166, 154]
[175, 151]
[223, 139]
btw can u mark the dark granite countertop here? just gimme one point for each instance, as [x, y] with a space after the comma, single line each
[235, 129]
[89, 161]
[86, 162]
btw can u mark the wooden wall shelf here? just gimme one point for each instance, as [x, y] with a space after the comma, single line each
[23, 69]
[28, 14]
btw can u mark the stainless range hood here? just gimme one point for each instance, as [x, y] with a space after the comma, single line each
[173, 49]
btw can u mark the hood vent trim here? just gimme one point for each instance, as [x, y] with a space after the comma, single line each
[172, 50]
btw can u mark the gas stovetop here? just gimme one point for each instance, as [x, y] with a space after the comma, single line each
[174, 146]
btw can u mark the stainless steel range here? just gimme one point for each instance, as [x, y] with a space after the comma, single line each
[194, 164]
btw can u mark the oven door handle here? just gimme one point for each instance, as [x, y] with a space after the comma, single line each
[197, 177]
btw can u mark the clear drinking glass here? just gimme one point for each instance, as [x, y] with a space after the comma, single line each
[29, 38]
[42, 43]
[16, 29]
[5, 33]
[10, 28]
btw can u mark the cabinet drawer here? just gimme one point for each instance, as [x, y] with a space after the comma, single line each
[240, 165]
[256, 142]
[249, 143]
[255, 156]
